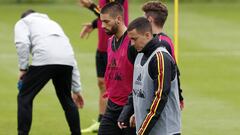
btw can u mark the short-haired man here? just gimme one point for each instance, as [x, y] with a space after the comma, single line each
[101, 53]
[119, 71]
[156, 12]
[155, 88]
[52, 58]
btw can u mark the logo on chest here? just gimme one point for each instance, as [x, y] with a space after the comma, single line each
[113, 63]
[139, 93]
[139, 80]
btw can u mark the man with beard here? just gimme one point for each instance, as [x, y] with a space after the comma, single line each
[119, 71]
[101, 53]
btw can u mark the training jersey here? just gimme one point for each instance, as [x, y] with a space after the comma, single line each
[119, 72]
[102, 36]
[169, 46]
[147, 99]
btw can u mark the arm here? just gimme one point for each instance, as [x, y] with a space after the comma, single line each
[88, 27]
[166, 45]
[132, 53]
[127, 112]
[23, 43]
[86, 30]
[160, 70]
[94, 23]
[91, 6]
[94, 8]
[181, 99]
[169, 49]
[76, 87]
[128, 109]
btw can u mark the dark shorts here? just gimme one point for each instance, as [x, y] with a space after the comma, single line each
[101, 63]
[108, 124]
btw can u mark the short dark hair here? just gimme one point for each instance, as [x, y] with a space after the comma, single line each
[141, 25]
[113, 8]
[157, 10]
[27, 12]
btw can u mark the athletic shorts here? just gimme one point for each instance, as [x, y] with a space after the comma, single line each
[101, 63]
[108, 124]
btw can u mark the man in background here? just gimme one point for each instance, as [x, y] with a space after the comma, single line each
[156, 12]
[52, 58]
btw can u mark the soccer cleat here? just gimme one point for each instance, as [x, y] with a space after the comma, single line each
[93, 128]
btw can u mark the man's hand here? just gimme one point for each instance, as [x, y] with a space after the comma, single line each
[85, 3]
[132, 121]
[21, 74]
[78, 99]
[86, 30]
[20, 82]
[181, 105]
[122, 125]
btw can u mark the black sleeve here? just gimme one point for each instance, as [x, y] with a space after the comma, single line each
[166, 45]
[128, 111]
[179, 85]
[132, 53]
[169, 49]
[161, 71]
[94, 8]
[94, 23]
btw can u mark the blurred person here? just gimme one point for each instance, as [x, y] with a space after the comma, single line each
[52, 58]
[156, 12]
[155, 89]
[119, 71]
[101, 53]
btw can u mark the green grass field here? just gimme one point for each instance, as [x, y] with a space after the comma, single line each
[209, 59]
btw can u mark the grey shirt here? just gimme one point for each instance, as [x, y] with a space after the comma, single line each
[147, 99]
[42, 38]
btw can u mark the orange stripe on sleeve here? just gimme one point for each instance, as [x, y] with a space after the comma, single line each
[158, 94]
[96, 9]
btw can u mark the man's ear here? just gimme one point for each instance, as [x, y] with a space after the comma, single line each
[148, 35]
[119, 19]
[150, 19]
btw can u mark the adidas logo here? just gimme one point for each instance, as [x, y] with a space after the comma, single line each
[139, 93]
[113, 63]
[139, 78]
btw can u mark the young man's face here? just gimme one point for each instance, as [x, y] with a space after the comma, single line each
[138, 40]
[109, 24]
